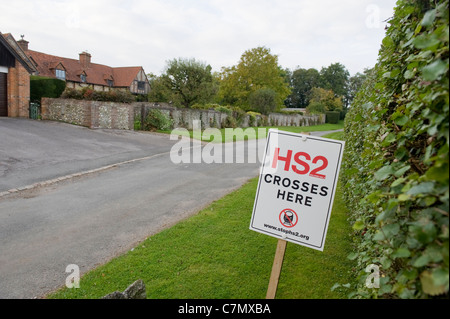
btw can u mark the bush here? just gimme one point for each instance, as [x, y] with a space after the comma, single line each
[316, 107]
[396, 165]
[157, 120]
[229, 122]
[223, 109]
[263, 101]
[332, 117]
[89, 94]
[45, 87]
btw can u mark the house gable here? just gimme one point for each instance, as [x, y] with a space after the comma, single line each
[15, 69]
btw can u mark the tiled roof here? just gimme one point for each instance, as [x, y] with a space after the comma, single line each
[95, 73]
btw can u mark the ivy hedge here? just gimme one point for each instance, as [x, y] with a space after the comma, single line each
[396, 167]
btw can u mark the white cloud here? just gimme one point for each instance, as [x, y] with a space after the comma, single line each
[303, 33]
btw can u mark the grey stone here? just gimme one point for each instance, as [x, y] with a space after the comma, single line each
[115, 295]
[135, 291]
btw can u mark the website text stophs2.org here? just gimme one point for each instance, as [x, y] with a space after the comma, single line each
[287, 231]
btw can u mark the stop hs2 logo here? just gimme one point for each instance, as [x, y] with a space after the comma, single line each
[288, 218]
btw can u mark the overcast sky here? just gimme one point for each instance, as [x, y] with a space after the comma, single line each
[303, 33]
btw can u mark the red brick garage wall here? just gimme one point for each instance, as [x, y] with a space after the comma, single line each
[18, 91]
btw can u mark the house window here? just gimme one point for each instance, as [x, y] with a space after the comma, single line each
[110, 83]
[60, 74]
[141, 85]
[83, 78]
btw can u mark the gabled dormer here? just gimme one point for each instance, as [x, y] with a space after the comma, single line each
[109, 80]
[83, 77]
[59, 70]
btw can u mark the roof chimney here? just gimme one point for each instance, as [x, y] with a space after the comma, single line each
[85, 60]
[23, 43]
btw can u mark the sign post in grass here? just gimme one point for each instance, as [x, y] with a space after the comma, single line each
[295, 193]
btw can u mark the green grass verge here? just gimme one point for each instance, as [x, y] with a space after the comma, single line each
[229, 135]
[214, 255]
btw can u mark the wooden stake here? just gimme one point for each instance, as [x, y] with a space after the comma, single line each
[276, 269]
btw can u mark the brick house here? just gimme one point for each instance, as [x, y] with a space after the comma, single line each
[81, 72]
[15, 70]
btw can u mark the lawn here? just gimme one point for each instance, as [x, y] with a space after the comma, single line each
[229, 134]
[214, 255]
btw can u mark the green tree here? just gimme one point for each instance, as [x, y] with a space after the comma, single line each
[185, 82]
[257, 69]
[324, 100]
[335, 77]
[263, 101]
[302, 81]
[159, 92]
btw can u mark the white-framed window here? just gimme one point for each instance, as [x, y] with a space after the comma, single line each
[60, 74]
[83, 78]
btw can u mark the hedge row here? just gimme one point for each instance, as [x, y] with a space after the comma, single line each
[45, 87]
[90, 94]
[396, 168]
[332, 117]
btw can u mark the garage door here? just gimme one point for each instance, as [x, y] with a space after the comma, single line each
[3, 97]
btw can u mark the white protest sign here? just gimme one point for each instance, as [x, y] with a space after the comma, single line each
[296, 187]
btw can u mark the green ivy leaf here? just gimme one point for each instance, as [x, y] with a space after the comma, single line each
[424, 41]
[402, 171]
[409, 74]
[400, 153]
[422, 188]
[352, 256]
[434, 70]
[401, 120]
[384, 173]
[440, 276]
[391, 230]
[398, 181]
[401, 253]
[404, 197]
[428, 18]
[358, 225]
[438, 173]
[421, 261]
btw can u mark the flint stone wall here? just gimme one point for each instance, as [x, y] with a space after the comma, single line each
[112, 115]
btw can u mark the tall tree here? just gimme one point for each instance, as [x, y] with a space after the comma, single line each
[185, 82]
[257, 69]
[302, 81]
[335, 77]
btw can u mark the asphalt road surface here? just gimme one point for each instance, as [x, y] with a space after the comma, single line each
[89, 219]
[135, 190]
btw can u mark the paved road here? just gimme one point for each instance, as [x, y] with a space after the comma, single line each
[32, 151]
[90, 219]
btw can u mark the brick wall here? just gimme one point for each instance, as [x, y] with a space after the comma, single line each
[18, 91]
